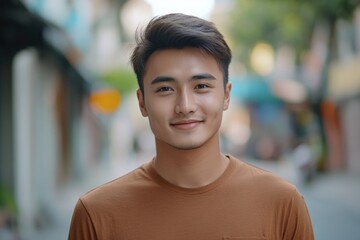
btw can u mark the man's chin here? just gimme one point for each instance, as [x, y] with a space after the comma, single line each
[187, 146]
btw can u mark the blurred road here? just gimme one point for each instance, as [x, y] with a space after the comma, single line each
[333, 199]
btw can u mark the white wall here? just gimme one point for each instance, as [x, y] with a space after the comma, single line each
[35, 140]
[351, 124]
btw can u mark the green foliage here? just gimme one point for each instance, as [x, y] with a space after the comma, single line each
[124, 80]
[282, 22]
[7, 201]
[332, 9]
[275, 22]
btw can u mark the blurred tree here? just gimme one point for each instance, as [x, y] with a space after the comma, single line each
[275, 22]
[282, 22]
[124, 80]
[331, 10]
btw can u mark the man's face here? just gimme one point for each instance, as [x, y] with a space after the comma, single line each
[184, 97]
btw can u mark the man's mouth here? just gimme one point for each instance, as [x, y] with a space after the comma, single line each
[186, 124]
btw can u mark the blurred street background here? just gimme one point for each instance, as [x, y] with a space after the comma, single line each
[69, 119]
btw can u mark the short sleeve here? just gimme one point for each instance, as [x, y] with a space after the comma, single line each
[298, 225]
[81, 226]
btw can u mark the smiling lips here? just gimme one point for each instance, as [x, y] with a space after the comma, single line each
[186, 125]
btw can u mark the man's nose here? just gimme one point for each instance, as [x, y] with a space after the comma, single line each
[186, 103]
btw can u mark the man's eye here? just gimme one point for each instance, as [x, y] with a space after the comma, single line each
[201, 86]
[164, 89]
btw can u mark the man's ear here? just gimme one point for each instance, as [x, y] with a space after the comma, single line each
[141, 101]
[227, 96]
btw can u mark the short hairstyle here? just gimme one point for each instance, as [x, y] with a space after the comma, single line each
[178, 31]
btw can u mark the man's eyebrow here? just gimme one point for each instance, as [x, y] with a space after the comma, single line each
[161, 79]
[203, 76]
[200, 76]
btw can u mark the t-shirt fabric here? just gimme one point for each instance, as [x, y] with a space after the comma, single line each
[245, 202]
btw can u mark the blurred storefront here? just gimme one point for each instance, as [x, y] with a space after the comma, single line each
[48, 130]
[331, 73]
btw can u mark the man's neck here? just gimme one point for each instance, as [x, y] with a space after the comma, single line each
[190, 168]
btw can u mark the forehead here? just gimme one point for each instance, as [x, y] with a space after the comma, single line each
[181, 63]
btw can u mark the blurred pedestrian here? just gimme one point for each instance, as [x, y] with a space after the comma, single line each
[189, 190]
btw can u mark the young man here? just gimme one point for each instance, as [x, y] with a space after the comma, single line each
[189, 190]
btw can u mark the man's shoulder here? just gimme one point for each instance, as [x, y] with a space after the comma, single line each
[258, 178]
[119, 188]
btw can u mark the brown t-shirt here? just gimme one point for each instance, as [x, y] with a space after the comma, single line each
[244, 203]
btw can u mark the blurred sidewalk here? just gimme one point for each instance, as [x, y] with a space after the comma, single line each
[333, 200]
[334, 204]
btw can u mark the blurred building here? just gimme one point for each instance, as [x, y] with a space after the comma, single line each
[343, 91]
[334, 88]
[49, 134]
[320, 95]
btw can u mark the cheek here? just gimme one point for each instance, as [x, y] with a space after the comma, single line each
[157, 110]
[214, 110]
[213, 104]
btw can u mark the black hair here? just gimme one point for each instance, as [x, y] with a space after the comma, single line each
[178, 31]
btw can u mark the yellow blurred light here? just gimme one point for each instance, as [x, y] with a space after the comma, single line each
[105, 101]
[262, 58]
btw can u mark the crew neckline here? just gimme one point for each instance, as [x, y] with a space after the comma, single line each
[191, 191]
